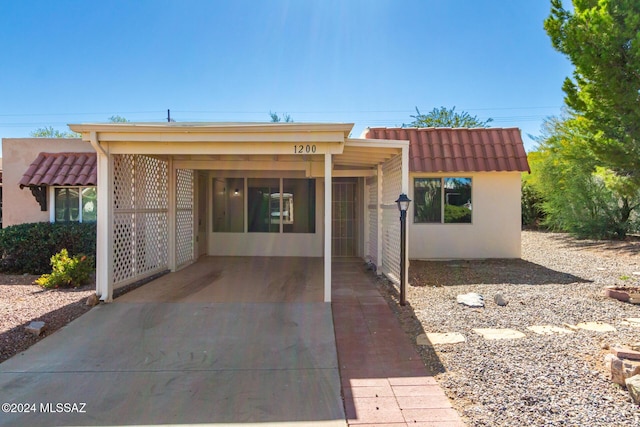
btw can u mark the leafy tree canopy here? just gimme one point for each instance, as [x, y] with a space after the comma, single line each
[275, 118]
[578, 194]
[602, 40]
[50, 132]
[447, 118]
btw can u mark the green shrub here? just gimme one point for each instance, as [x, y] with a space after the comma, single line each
[67, 272]
[28, 248]
[456, 214]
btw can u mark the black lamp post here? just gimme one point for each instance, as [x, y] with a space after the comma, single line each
[403, 205]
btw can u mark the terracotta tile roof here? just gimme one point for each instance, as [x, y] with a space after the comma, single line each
[62, 169]
[459, 150]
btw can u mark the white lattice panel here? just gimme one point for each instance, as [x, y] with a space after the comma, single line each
[372, 204]
[391, 189]
[123, 246]
[185, 180]
[140, 217]
[123, 180]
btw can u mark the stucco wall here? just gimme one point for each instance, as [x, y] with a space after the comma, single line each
[495, 228]
[19, 206]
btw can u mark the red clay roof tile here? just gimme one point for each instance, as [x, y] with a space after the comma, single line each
[460, 150]
[62, 169]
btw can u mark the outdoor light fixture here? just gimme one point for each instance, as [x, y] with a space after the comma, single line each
[236, 192]
[403, 202]
[403, 206]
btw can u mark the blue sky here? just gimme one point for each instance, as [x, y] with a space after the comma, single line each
[358, 61]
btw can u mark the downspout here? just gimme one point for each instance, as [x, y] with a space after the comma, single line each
[93, 139]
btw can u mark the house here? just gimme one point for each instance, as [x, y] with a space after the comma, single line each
[169, 193]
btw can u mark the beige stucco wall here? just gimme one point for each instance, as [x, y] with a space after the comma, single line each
[19, 206]
[496, 222]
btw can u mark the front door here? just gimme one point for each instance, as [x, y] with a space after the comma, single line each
[344, 226]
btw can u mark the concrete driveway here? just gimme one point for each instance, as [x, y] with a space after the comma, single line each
[177, 361]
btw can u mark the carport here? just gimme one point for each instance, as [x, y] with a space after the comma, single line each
[169, 193]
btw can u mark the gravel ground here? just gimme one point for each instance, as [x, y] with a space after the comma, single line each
[22, 302]
[539, 380]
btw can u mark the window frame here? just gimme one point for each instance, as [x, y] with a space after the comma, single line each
[442, 179]
[280, 199]
[52, 201]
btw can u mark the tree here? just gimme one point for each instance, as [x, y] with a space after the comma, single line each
[118, 119]
[275, 118]
[50, 132]
[601, 38]
[577, 193]
[447, 118]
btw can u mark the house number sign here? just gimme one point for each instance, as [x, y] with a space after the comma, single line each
[304, 149]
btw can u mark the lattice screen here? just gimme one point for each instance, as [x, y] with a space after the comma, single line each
[185, 181]
[372, 208]
[391, 188]
[140, 215]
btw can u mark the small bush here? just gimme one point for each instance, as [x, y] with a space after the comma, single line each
[67, 272]
[28, 248]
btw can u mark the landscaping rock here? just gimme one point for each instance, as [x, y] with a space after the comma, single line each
[633, 386]
[548, 329]
[625, 353]
[500, 299]
[635, 346]
[498, 334]
[621, 369]
[435, 338]
[92, 300]
[471, 299]
[35, 328]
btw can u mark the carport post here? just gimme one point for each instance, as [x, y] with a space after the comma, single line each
[327, 227]
[104, 225]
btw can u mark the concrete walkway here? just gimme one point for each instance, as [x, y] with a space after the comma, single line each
[384, 381]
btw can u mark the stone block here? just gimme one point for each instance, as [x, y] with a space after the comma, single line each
[36, 327]
[633, 386]
[471, 299]
[625, 353]
[621, 369]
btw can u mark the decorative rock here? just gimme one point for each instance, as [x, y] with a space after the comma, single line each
[625, 353]
[635, 346]
[500, 299]
[471, 299]
[35, 328]
[434, 338]
[633, 321]
[621, 369]
[592, 326]
[499, 334]
[92, 300]
[548, 329]
[633, 385]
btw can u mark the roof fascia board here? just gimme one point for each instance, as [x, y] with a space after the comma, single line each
[343, 128]
[377, 143]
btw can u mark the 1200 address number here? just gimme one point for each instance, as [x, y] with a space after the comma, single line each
[304, 149]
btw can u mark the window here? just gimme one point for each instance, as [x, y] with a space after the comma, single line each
[75, 204]
[228, 205]
[442, 200]
[273, 205]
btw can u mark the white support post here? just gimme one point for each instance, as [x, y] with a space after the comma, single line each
[380, 240]
[327, 226]
[171, 220]
[104, 228]
[405, 189]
